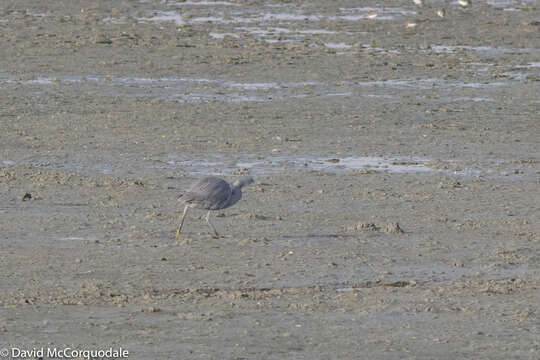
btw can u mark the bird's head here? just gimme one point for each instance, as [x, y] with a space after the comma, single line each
[243, 181]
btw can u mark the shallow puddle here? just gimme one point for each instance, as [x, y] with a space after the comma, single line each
[481, 50]
[257, 165]
[161, 16]
[219, 165]
[223, 12]
[184, 89]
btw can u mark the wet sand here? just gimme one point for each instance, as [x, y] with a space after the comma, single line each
[395, 210]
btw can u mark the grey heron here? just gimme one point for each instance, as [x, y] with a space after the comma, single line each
[212, 193]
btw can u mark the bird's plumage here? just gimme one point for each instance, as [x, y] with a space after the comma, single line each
[210, 193]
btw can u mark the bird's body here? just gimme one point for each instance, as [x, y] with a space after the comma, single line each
[212, 193]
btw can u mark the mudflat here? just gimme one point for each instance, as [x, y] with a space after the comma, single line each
[395, 212]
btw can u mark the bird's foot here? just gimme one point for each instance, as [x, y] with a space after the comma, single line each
[183, 241]
[217, 236]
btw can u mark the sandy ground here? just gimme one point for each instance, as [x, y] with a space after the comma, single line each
[110, 109]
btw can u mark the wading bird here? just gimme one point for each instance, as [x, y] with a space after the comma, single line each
[212, 193]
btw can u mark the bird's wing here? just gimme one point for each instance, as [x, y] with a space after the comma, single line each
[209, 193]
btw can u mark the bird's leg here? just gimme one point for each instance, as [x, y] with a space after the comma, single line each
[181, 223]
[216, 235]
